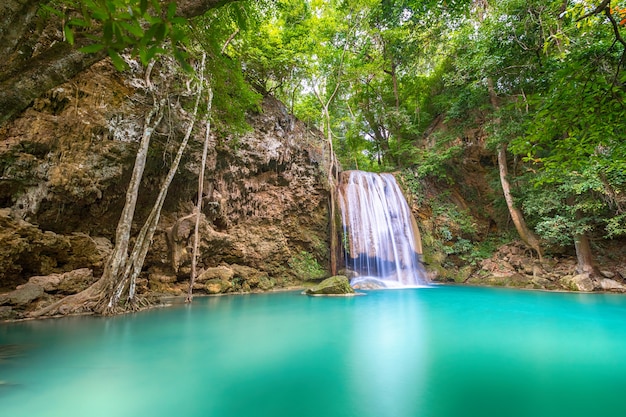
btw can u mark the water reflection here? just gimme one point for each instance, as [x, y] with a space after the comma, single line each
[451, 351]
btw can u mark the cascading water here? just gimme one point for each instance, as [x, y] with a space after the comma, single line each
[380, 236]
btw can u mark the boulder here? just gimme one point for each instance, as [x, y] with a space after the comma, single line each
[22, 295]
[580, 282]
[49, 283]
[541, 282]
[612, 285]
[217, 286]
[6, 313]
[607, 274]
[223, 273]
[251, 278]
[337, 285]
[68, 283]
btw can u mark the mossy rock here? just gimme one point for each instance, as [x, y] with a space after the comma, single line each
[336, 285]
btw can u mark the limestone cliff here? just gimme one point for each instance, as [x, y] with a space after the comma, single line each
[64, 167]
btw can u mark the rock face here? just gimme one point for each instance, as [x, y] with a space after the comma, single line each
[336, 285]
[580, 282]
[66, 161]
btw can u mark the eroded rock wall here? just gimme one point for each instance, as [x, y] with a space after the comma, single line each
[66, 161]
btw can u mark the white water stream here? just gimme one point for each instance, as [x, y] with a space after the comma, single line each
[380, 236]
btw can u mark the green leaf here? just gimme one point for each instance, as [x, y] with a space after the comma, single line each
[161, 31]
[177, 20]
[157, 6]
[107, 32]
[89, 49]
[171, 10]
[118, 61]
[146, 55]
[78, 22]
[111, 6]
[69, 34]
[133, 28]
[181, 57]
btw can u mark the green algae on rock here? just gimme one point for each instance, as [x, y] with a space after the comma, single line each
[335, 285]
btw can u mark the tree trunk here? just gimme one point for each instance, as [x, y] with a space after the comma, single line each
[332, 182]
[144, 239]
[527, 235]
[196, 237]
[16, 18]
[91, 297]
[23, 80]
[584, 255]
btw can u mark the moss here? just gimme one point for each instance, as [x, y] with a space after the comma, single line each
[305, 267]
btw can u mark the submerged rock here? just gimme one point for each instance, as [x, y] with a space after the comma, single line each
[337, 285]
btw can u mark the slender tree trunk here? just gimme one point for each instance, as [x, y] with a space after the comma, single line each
[144, 239]
[524, 232]
[394, 79]
[196, 234]
[118, 258]
[332, 182]
[527, 235]
[122, 235]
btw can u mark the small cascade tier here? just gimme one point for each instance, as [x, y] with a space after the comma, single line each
[380, 239]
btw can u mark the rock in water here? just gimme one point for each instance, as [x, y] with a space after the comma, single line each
[337, 285]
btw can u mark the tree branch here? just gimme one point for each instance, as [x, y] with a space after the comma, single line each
[601, 7]
[29, 79]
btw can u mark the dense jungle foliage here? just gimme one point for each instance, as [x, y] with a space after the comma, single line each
[410, 85]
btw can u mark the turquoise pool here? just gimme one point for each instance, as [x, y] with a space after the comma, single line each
[439, 351]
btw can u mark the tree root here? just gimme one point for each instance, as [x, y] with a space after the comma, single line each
[92, 300]
[82, 302]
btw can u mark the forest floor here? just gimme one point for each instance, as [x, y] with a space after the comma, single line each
[513, 265]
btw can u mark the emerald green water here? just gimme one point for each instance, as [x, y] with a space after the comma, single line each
[441, 351]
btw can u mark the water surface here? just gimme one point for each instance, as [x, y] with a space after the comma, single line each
[442, 351]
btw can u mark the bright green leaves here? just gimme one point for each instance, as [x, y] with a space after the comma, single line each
[141, 26]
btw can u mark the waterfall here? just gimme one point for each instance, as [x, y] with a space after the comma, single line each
[380, 240]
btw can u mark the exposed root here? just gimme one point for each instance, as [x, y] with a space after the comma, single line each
[83, 302]
[94, 299]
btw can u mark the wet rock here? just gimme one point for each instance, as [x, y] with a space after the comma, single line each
[265, 196]
[612, 285]
[336, 285]
[527, 266]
